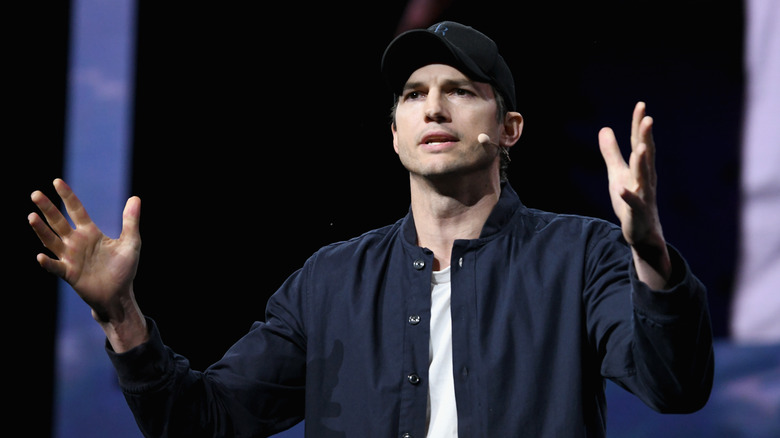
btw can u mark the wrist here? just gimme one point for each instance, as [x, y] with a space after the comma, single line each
[653, 264]
[125, 328]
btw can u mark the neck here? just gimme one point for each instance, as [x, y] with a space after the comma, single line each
[445, 213]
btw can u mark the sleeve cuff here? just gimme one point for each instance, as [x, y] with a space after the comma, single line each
[684, 290]
[144, 366]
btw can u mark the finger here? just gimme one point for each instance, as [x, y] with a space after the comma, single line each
[636, 121]
[52, 266]
[73, 205]
[638, 165]
[53, 215]
[610, 150]
[646, 137]
[634, 201]
[49, 239]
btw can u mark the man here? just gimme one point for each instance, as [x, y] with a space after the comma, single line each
[473, 316]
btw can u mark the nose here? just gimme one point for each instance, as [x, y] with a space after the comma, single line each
[435, 107]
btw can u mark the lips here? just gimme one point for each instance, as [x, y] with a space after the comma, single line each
[436, 138]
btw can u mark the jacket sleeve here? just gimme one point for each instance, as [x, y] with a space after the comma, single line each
[255, 389]
[656, 344]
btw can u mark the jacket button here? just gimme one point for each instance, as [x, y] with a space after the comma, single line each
[406, 435]
[418, 264]
[413, 378]
[414, 319]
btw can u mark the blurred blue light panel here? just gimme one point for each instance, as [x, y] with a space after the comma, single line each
[87, 399]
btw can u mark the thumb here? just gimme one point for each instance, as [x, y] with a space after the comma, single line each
[131, 218]
[610, 150]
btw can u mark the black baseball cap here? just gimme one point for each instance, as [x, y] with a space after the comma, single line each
[450, 43]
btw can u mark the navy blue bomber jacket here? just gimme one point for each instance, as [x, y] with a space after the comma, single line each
[544, 308]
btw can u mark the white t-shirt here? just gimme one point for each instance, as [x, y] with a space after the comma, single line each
[442, 412]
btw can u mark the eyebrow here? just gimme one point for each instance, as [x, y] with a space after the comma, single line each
[447, 83]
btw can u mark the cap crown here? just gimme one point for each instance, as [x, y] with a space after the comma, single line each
[451, 43]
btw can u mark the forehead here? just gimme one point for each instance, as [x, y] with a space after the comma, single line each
[433, 74]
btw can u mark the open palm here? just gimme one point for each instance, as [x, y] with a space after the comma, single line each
[100, 269]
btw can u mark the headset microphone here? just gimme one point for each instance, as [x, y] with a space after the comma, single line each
[485, 139]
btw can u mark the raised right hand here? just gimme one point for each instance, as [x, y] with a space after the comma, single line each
[100, 269]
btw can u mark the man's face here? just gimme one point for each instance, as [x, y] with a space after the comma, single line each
[439, 116]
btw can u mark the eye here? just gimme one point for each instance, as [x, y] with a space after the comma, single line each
[462, 92]
[412, 95]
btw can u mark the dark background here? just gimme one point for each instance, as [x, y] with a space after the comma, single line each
[261, 135]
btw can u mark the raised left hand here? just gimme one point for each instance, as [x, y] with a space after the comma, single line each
[632, 189]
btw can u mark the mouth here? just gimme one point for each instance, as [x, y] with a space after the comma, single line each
[435, 139]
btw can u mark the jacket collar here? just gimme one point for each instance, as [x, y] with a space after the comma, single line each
[505, 208]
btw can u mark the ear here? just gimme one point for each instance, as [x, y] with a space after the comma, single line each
[513, 127]
[395, 137]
